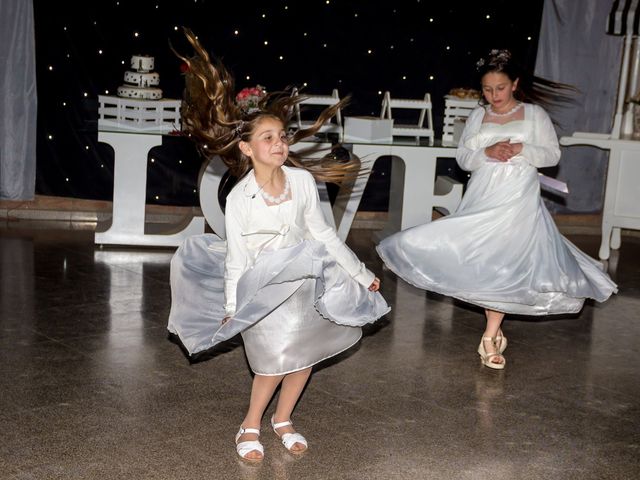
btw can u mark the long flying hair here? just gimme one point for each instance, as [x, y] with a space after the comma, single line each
[213, 120]
[531, 88]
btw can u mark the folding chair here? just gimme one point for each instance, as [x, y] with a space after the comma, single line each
[416, 130]
[333, 125]
[455, 109]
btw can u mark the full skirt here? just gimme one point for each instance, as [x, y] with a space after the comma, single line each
[295, 306]
[500, 250]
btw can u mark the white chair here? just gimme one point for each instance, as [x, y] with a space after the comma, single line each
[455, 109]
[333, 125]
[416, 130]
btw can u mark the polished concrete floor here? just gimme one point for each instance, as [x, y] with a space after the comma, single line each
[92, 388]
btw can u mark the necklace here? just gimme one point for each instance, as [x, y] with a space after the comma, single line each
[505, 114]
[280, 198]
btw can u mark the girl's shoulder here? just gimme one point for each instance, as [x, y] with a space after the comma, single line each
[298, 174]
[240, 187]
[534, 107]
[535, 112]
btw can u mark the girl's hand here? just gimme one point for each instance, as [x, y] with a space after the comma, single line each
[516, 148]
[375, 286]
[503, 151]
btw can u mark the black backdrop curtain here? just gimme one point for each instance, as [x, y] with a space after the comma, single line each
[360, 47]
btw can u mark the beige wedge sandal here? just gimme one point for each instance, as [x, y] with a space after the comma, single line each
[487, 358]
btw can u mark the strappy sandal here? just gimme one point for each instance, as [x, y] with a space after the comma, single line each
[244, 448]
[501, 341]
[290, 439]
[487, 357]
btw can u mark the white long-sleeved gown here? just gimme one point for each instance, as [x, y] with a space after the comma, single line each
[501, 249]
[293, 289]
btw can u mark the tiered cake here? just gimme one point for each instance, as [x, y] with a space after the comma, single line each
[143, 81]
[139, 105]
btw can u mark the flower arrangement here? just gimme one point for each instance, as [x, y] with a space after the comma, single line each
[248, 98]
[495, 57]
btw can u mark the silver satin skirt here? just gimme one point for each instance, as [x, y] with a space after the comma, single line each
[295, 336]
[500, 250]
[295, 307]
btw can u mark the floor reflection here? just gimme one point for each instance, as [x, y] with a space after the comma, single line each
[91, 387]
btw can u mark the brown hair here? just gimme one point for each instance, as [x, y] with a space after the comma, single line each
[212, 119]
[531, 88]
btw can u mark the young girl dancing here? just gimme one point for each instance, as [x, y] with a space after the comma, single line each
[284, 279]
[501, 249]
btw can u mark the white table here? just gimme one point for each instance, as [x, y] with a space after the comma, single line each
[622, 191]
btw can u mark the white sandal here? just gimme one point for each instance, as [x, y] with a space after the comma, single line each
[290, 439]
[243, 448]
[487, 357]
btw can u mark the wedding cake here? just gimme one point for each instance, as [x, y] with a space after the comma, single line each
[141, 82]
[139, 105]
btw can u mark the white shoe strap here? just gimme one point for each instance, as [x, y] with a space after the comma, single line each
[248, 430]
[281, 424]
[243, 448]
[290, 439]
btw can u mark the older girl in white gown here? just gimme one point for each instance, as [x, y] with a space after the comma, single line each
[501, 249]
[283, 278]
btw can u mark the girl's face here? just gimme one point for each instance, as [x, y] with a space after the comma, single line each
[268, 146]
[498, 89]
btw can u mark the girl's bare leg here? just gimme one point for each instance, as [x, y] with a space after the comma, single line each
[261, 392]
[292, 386]
[494, 321]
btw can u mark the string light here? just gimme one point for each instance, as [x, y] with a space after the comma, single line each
[317, 44]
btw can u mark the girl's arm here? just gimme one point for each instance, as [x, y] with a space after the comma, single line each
[237, 255]
[467, 155]
[326, 234]
[544, 150]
